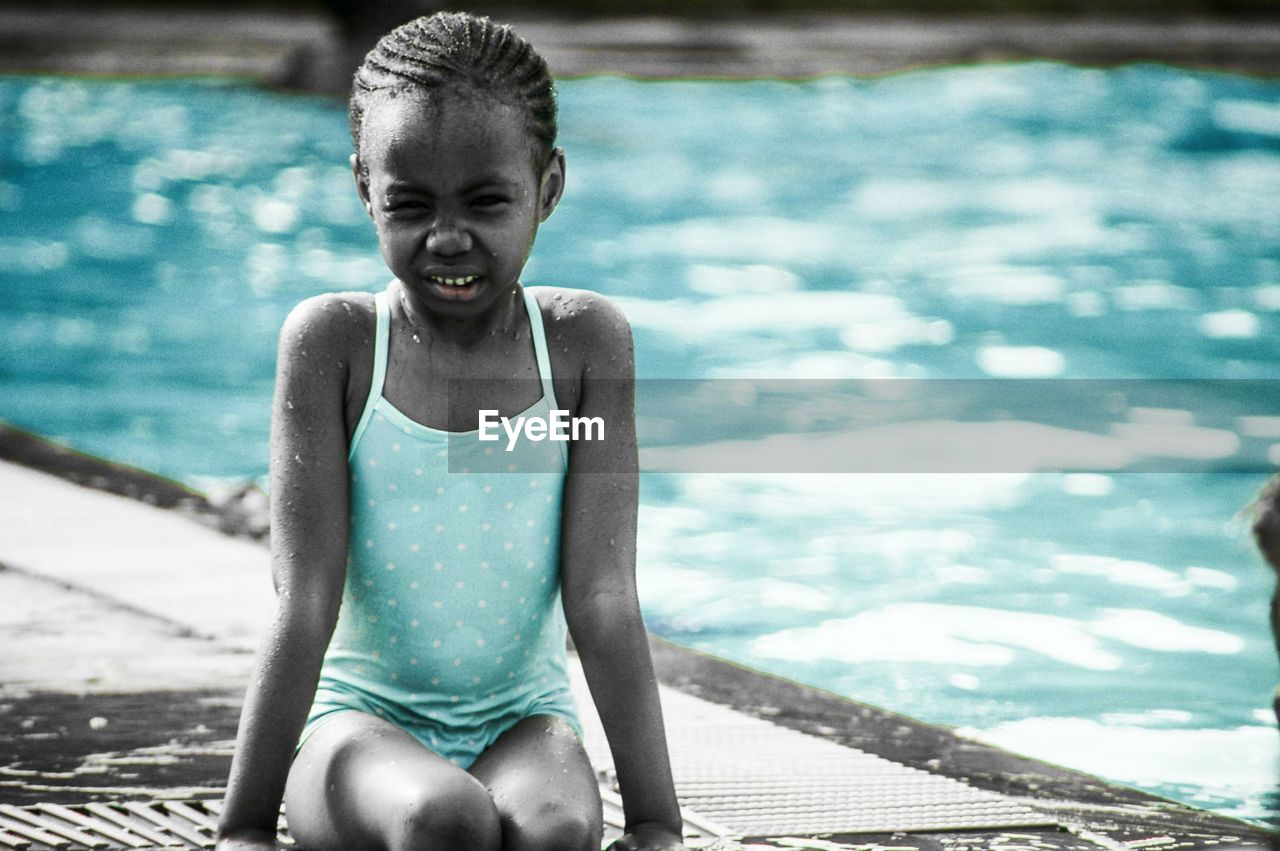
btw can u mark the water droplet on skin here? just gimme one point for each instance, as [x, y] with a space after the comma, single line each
[288, 404]
[417, 339]
[556, 297]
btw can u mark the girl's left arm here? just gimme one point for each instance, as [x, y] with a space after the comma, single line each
[598, 560]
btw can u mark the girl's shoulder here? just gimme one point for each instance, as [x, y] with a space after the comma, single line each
[591, 326]
[336, 321]
[327, 341]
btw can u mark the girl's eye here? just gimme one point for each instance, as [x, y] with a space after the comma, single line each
[489, 201]
[406, 208]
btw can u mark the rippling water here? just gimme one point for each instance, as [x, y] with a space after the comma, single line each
[1028, 220]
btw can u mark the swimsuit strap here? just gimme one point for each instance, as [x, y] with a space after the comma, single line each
[540, 347]
[544, 361]
[382, 333]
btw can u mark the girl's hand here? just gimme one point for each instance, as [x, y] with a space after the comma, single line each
[247, 840]
[649, 838]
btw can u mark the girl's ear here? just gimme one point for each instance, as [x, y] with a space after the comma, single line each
[362, 184]
[551, 187]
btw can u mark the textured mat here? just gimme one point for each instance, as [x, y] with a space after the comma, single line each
[171, 824]
[741, 776]
[156, 824]
[735, 776]
[174, 824]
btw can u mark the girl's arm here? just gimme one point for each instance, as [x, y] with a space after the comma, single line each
[308, 563]
[598, 581]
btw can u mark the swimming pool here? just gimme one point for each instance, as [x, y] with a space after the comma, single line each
[1028, 219]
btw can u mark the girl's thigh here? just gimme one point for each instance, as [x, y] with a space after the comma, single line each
[360, 782]
[543, 786]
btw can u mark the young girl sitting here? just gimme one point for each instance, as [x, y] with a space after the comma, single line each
[412, 692]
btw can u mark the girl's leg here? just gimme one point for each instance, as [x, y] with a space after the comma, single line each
[545, 791]
[360, 782]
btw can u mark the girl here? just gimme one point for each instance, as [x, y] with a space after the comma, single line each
[412, 693]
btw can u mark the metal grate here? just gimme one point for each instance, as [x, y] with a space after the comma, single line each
[735, 776]
[167, 824]
[150, 825]
[742, 776]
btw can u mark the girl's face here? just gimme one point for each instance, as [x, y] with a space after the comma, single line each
[449, 184]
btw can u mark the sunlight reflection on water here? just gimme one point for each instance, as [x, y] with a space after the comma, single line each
[1028, 219]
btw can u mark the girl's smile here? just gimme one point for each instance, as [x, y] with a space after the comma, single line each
[449, 184]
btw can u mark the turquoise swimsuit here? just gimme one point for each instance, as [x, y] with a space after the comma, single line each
[451, 625]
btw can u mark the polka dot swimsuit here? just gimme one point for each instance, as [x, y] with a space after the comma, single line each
[451, 625]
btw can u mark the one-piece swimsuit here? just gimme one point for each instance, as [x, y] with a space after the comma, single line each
[451, 625]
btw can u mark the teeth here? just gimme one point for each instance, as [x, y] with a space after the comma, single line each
[454, 282]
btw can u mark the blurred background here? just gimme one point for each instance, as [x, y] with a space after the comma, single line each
[890, 189]
[314, 44]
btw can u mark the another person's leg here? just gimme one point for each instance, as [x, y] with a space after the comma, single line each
[545, 791]
[360, 782]
[1266, 531]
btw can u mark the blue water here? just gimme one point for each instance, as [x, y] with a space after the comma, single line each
[995, 221]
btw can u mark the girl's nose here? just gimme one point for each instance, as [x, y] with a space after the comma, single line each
[447, 239]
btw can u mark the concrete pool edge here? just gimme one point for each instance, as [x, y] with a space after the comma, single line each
[1080, 801]
[228, 515]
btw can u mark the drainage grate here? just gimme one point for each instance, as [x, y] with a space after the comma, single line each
[735, 776]
[168, 824]
[742, 776]
[150, 825]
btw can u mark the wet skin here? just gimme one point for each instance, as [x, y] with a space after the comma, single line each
[452, 192]
[450, 186]
[451, 189]
[361, 782]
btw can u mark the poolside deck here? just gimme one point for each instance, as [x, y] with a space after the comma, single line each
[129, 628]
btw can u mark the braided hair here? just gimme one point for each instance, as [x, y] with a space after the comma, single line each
[457, 49]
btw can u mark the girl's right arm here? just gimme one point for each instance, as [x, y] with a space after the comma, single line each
[308, 562]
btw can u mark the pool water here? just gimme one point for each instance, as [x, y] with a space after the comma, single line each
[1025, 220]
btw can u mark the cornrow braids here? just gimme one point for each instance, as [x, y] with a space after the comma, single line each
[459, 49]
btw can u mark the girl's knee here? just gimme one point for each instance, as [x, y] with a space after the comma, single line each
[553, 827]
[459, 814]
